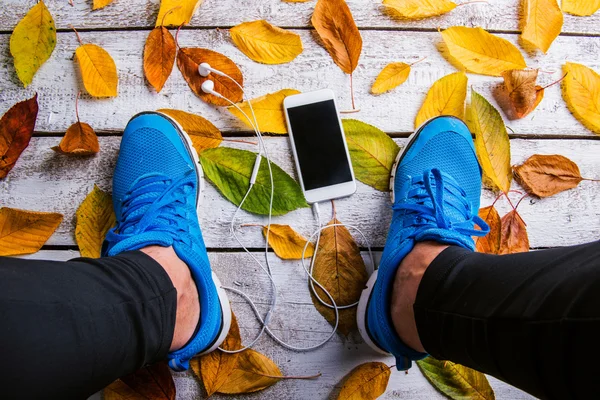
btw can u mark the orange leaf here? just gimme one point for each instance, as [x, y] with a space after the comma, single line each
[16, 128]
[151, 383]
[188, 60]
[545, 176]
[490, 243]
[336, 28]
[80, 140]
[203, 133]
[523, 93]
[25, 232]
[159, 56]
[514, 237]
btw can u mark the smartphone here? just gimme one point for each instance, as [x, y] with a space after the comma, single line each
[319, 146]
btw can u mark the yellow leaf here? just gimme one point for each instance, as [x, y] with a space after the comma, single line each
[268, 110]
[583, 8]
[581, 90]
[491, 142]
[481, 52]
[203, 133]
[32, 42]
[287, 243]
[368, 381]
[25, 232]
[455, 380]
[176, 12]
[265, 43]
[391, 76]
[446, 97]
[95, 216]
[98, 70]
[417, 9]
[543, 22]
[98, 4]
[252, 373]
[338, 31]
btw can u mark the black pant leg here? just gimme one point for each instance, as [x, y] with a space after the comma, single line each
[530, 319]
[71, 328]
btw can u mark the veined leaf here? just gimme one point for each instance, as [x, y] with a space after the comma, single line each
[176, 12]
[523, 93]
[491, 142]
[268, 110]
[543, 22]
[445, 97]
[368, 381]
[456, 381]
[252, 373]
[152, 382]
[25, 232]
[98, 4]
[230, 170]
[489, 243]
[582, 8]
[372, 153]
[98, 70]
[581, 90]
[481, 52]
[391, 76]
[159, 56]
[265, 43]
[545, 176]
[32, 42]
[95, 216]
[80, 139]
[287, 243]
[203, 133]
[417, 9]
[514, 234]
[16, 128]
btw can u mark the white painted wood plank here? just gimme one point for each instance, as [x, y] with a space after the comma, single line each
[334, 360]
[45, 181]
[498, 15]
[57, 82]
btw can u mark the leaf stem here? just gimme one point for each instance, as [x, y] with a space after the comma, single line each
[249, 224]
[288, 377]
[334, 211]
[471, 2]
[240, 141]
[554, 83]
[510, 202]
[177, 37]
[77, 106]
[590, 179]
[418, 61]
[77, 33]
[352, 92]
[519, 202]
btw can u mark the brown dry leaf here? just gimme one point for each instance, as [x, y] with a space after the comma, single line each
[95, 216]
[120, 391]
[523, 93]
[16, 128]
[98, 4]
[445, 97]
[253, 372]
[214, 368]
[545, 176]
[176, 12]
[543, 22]
[490, 243]
[514, 237]
[203, 133]
[80, 139]
[368, 381]
[287, 243]
[98, 70]
[581, 91]
[265, 43]
[340, 268]
[336, 28]
[188, 60]
[25, 232]
[582, 8]
[159, 56]
[154, 382]
[268, 110]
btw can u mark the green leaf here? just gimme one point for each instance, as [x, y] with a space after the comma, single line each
[372, 153]
[230, 170]
[456, 381]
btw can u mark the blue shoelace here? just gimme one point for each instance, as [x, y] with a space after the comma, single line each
[429, 209]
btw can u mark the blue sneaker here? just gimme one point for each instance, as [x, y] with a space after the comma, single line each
[157, 188]
[435, 187]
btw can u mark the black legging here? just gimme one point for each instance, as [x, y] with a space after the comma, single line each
[531, 319]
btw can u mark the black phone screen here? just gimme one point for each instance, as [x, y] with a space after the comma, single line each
[319, 144]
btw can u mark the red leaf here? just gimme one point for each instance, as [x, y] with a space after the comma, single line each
[16, 128]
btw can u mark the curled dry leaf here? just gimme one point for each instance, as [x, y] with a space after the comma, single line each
[176, 12]
[335, 26]
[95, 216]
[523, 93]
[203, 133]
[368, 381]
[230, 171]
[80, 139]
[159, 56]
[545, 176]
[98, 70]
[154, 382]
[341, 270]
[514, 237]
[98, 4]
[417, 9]
[25, 232]
[581, 91]
[372, 153]
[491, 142]
[188, 60]
[481, 52]
[445, 97]
[489, 243]
[455, 380]
[32, 42]
[268, 110]
[265, 43]
[253, 372]
[16, 128]
[543, 23]
[391, 76]
[287, 243]
[582, 8]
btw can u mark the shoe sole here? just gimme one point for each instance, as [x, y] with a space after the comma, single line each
[223, 299]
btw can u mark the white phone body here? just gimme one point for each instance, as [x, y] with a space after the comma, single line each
[320, 103]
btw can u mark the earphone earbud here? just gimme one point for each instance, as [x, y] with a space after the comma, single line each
[204, 69]
[208, 87]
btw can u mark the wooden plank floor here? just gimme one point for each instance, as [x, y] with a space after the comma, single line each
[45, 181]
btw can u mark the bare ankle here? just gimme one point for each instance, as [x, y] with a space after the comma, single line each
[408, 277]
